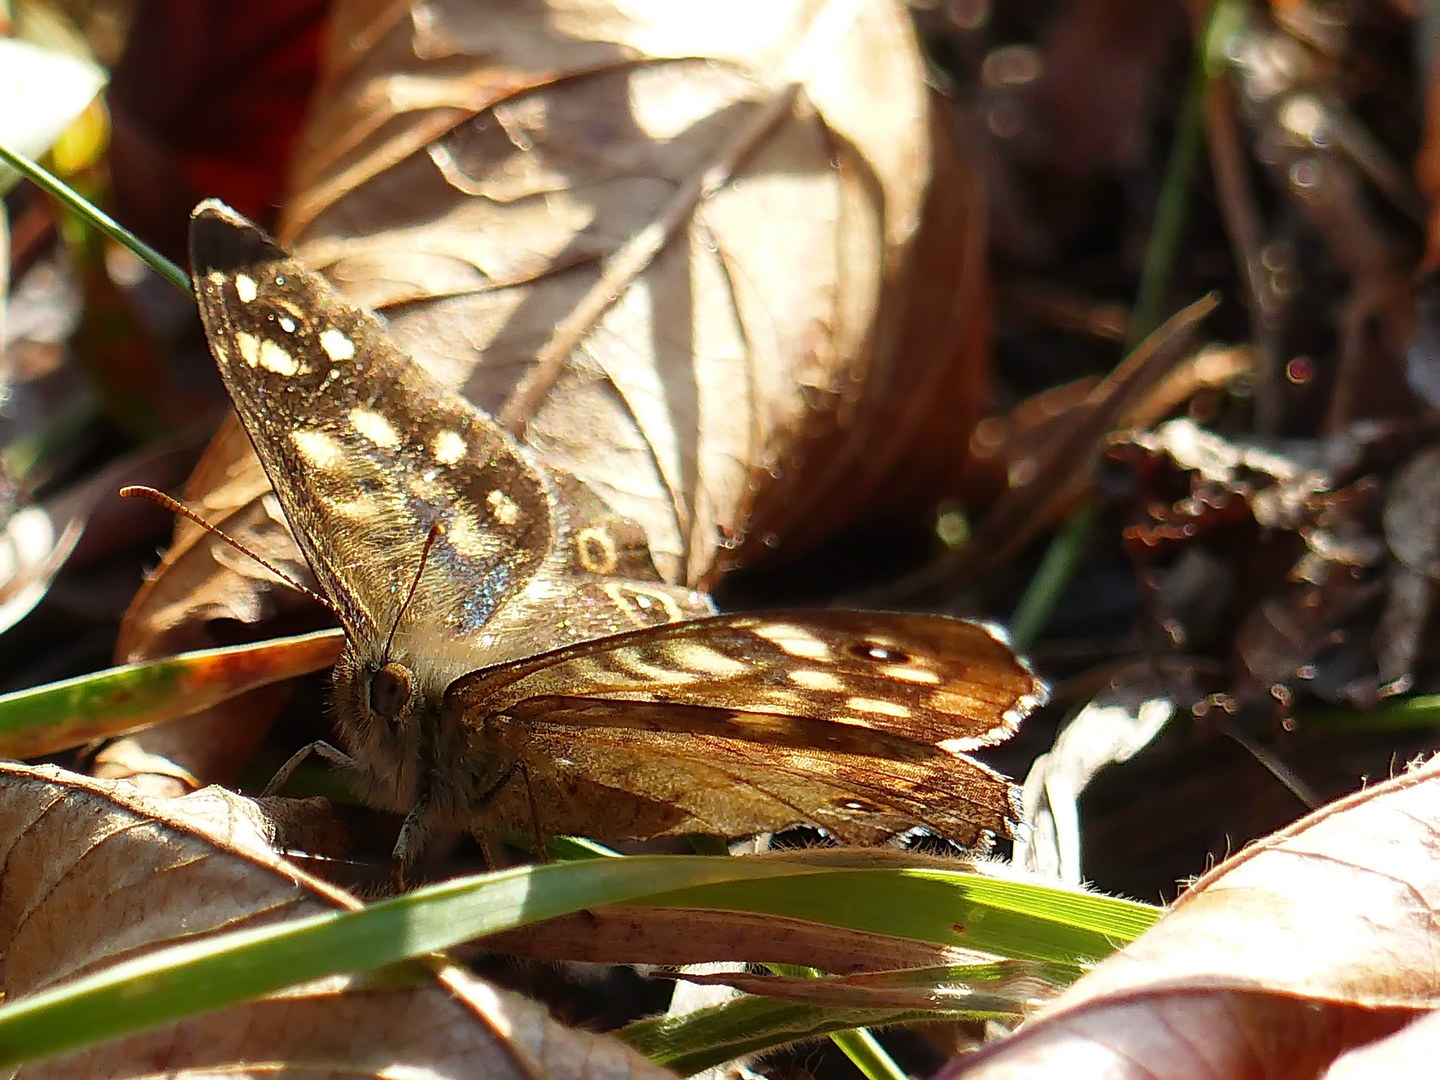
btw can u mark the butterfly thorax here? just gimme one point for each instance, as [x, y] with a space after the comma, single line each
[392, 722]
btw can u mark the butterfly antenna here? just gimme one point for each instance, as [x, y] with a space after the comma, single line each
[159, 498]
[436, 531]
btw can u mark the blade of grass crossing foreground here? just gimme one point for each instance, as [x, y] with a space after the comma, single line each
[47, 719]
[55, 187]
[750, 1024]
[862, 1048]
[199, 976]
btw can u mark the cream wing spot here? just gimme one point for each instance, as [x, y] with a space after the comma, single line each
[695, 657]
[448, 446]
[465, 536]
[316, 447]
[505, 509]
[795, 640]
[337, 345]
[964, 745]
[878, 706]
[244, 287]
[810, 679]
[248, 346]
[276, 359]
[910, 673]
[631, 662]
[375, 428]
[286, 323]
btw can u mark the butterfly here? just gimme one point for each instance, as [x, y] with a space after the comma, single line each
[514, 661]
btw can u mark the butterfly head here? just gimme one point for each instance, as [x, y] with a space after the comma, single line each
[389, 715]
[391, 689]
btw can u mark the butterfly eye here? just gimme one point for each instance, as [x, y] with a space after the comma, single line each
[882, 654]
[390, 691]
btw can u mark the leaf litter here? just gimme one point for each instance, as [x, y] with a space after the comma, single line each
[1262, 547]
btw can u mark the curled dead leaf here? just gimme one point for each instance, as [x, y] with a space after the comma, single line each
[203, 864]
[1313, 941]
[786, 340]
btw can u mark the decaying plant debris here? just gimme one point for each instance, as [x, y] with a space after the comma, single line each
[1111, 321]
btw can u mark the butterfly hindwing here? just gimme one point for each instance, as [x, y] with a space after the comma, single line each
[868, 713]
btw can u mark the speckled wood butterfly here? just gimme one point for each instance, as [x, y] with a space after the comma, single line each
[514, 659]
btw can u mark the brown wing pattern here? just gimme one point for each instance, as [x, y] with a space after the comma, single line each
[365, 450]
[851, 721]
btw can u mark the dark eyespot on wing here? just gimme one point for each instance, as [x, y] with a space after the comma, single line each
[878, 652]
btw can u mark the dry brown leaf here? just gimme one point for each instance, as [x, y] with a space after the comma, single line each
[203, 864]
[474, 171]
[1315, 940]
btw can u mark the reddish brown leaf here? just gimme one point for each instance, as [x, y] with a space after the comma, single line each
[1312, 941]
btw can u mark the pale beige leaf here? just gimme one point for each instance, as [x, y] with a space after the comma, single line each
[475, 170]
[94, 873]
[1409, 1054]
[1318, 938]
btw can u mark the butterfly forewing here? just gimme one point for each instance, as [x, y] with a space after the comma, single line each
[356, 441]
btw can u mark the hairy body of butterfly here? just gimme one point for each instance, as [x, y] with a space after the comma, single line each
[538, 674]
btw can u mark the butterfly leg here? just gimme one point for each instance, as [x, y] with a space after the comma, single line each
[409, 842]
[340, 760]
[540, 852]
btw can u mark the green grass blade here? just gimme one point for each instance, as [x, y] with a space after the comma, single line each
[50, 718]
[195, 977]
[58, 189]
[866, 1053]
[752, 1025]
[1022, 920]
